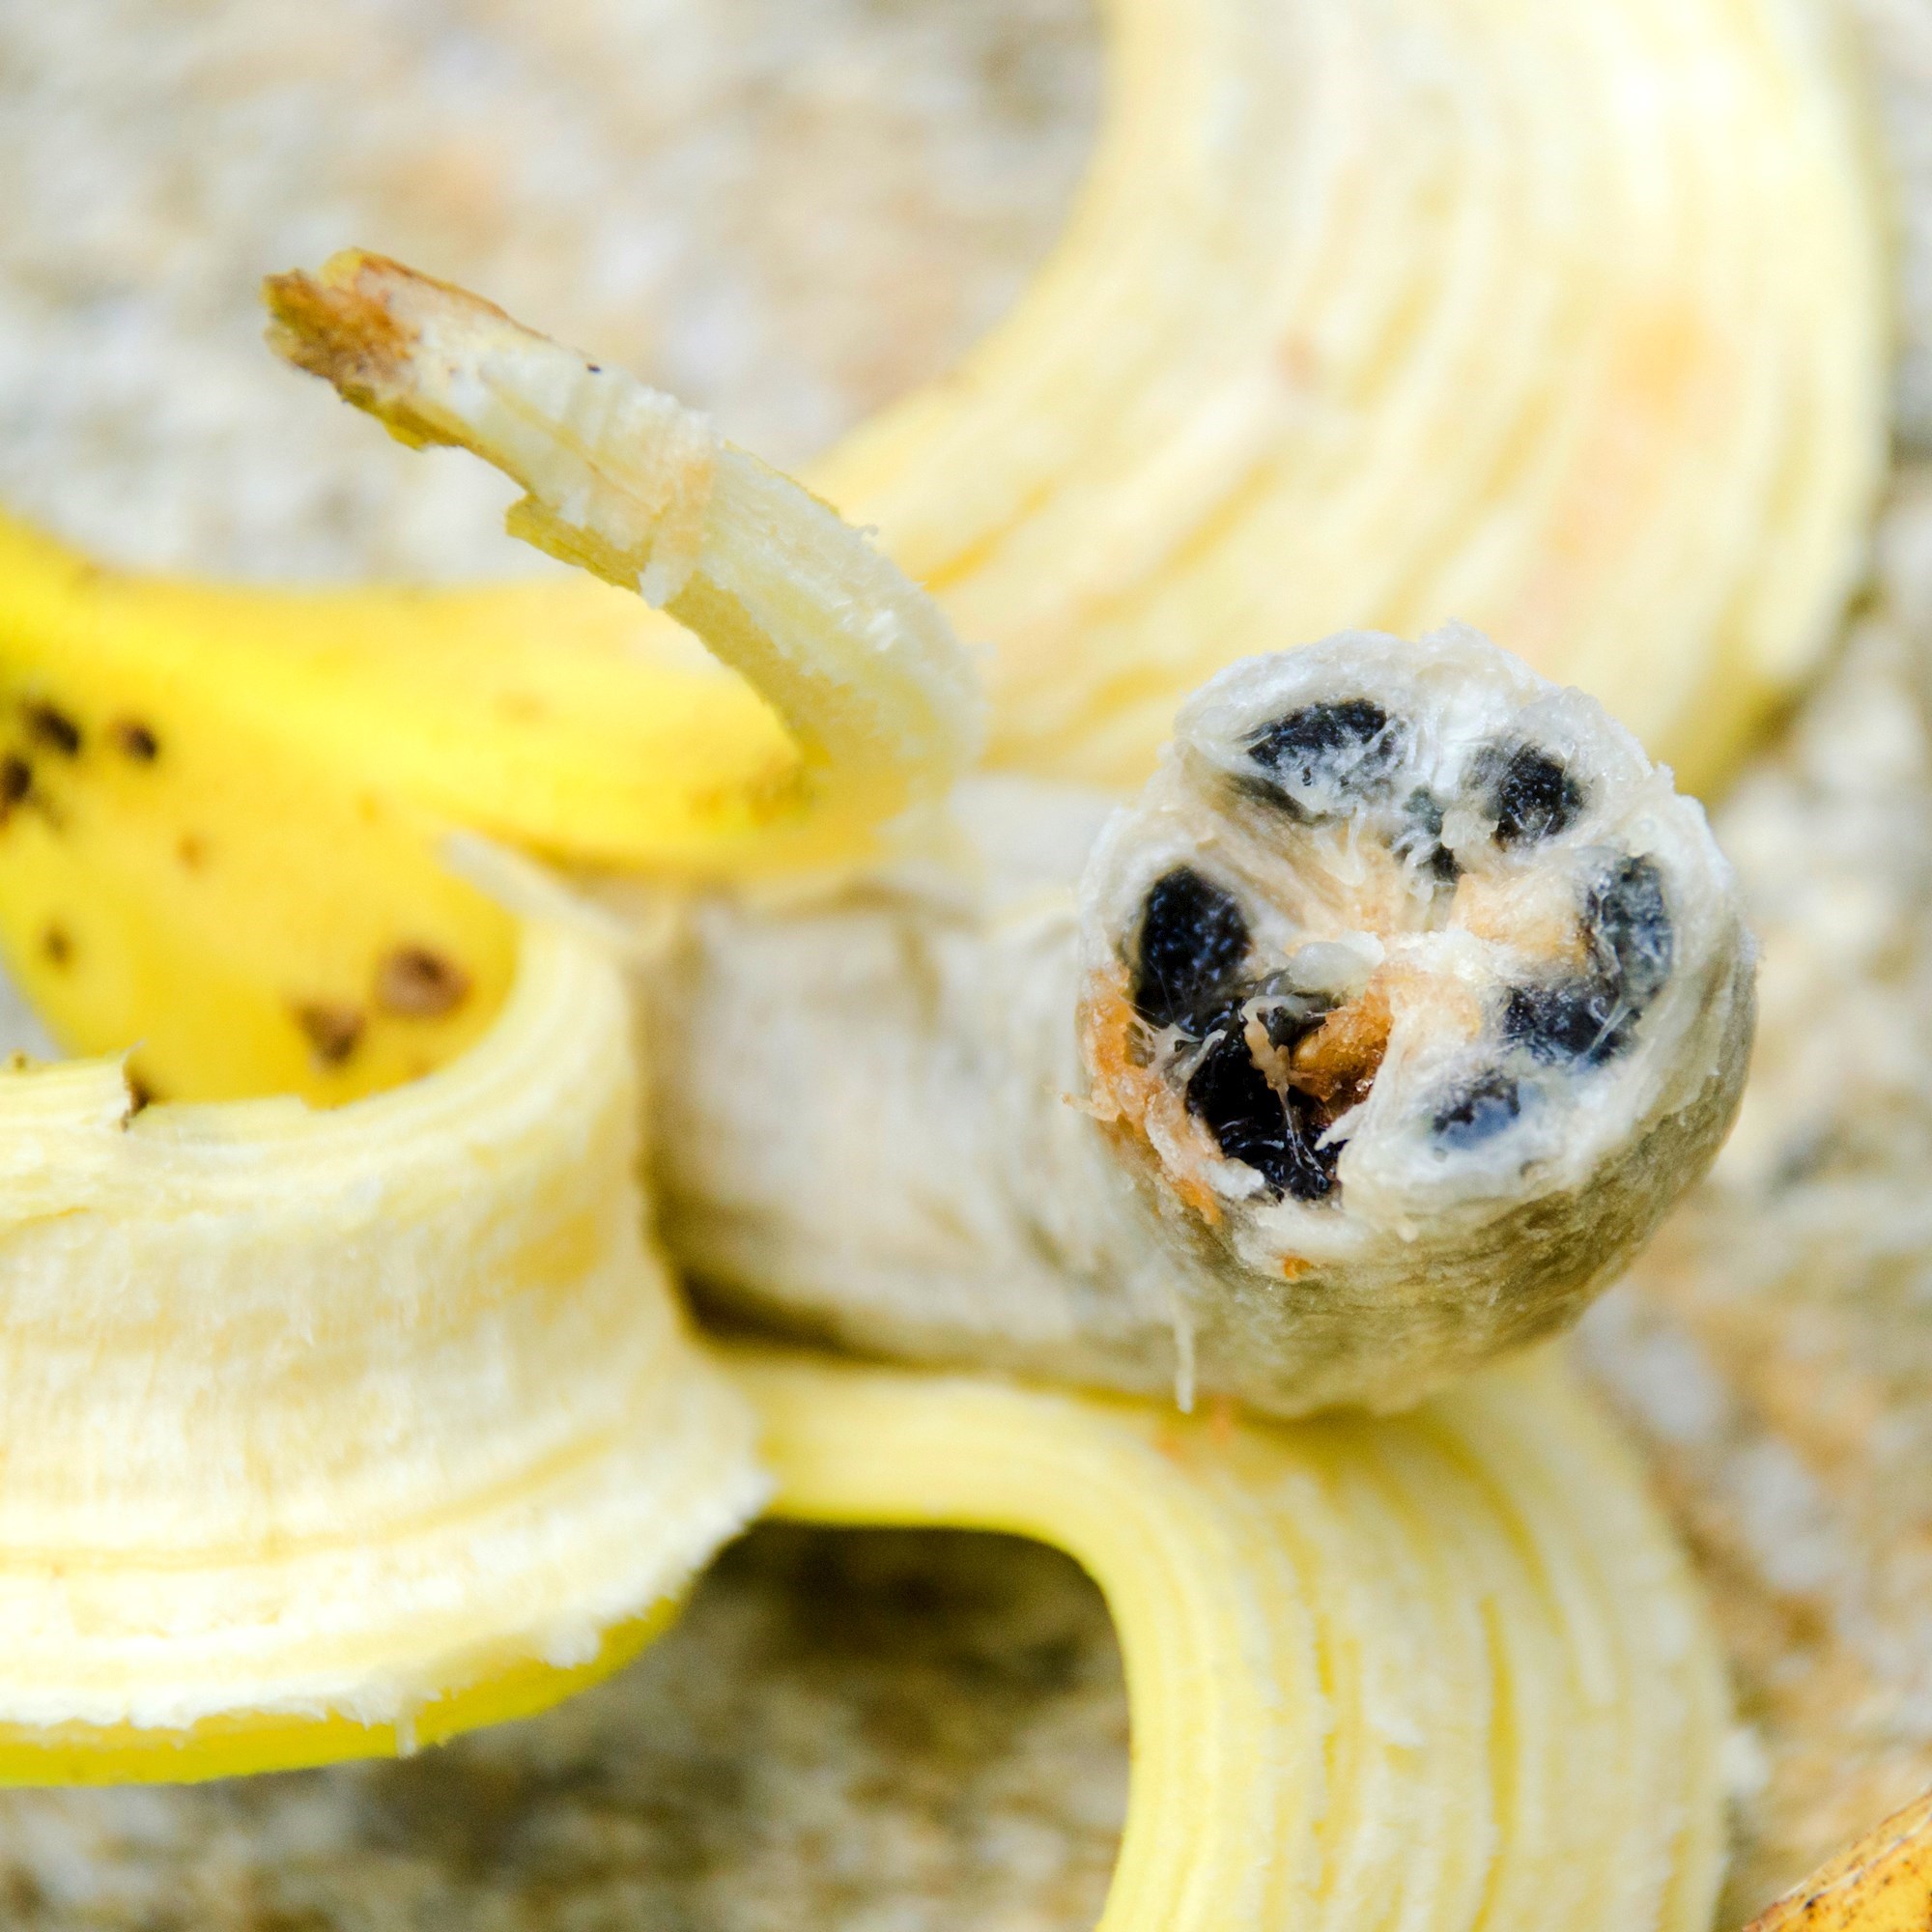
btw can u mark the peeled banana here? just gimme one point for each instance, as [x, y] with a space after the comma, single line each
[1370, 1040]
[332, 1432]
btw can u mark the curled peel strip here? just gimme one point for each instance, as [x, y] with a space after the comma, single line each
[329, 1431]
[622, 479]
[1378, 1672]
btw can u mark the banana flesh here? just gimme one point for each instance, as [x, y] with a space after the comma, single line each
[1380, 1674]
[329, 1432]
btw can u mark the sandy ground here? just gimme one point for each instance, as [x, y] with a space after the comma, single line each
[790, 211]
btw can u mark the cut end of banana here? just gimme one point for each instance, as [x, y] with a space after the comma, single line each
[392, 1421]
[1418, 992]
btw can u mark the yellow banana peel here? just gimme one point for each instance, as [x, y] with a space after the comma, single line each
[1883, 1884]
[188, 865]
[328, 1432]
[189, 876]
[1441, 1671]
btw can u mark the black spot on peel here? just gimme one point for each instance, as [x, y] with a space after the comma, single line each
[16, 780]
[57, 946]
[1192, 938]
[1251, 1122]
[49, 726]
[1527, 792]
[1480, 1111]
[1350, 743]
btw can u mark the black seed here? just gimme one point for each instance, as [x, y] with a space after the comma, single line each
[16, 778]
[1629, 922]
[1422, 837]
[1480, 1111]
[53, 728]
[1349, 744]
[1567, 1020]
[1251, 1122]
[1527, 792]
[1192, 938]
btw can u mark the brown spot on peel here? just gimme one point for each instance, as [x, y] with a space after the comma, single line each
[57, 945]
[134, 740]
[420, 984]
[53, 728]
[334, 1031]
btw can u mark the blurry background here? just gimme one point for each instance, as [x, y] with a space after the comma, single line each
[790, 211]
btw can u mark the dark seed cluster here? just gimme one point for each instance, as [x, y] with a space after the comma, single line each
[1192, 938]
[1276, 1135]
[1527, 792]
[1351, 745]
[1590, 1017]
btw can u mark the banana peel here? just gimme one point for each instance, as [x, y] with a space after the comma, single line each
[332, 1431]
[1883, 1884]
[188, 865]
[1446, 1670]
[189, 877]
[1321, 348]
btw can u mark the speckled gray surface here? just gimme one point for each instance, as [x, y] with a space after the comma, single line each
[791, 210]
[877, 1731]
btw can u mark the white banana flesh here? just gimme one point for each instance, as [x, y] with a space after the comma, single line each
[323, 1420]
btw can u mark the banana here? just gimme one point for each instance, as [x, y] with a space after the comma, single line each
[1367, 317]
[1445, 1671]
[331, 1433]
[1368, 1041]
